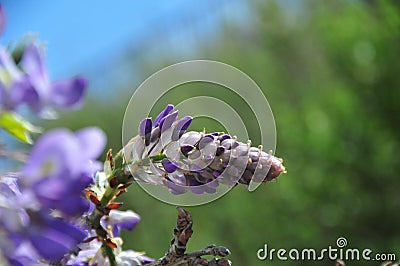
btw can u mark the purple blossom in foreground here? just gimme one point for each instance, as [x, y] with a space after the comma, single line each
[196, 161]
[91, 254]
[61, 165]
[29, 232]
[40, 206]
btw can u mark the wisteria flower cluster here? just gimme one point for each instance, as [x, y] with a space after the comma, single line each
[61, 207]
[195, 161]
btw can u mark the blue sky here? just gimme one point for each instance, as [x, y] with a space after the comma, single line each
[84, 34]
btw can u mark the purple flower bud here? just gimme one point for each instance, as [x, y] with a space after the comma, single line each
[123, 219]
[164, 113]
[276, 168]
[169, 166]
[229, 143]
[155, 134]
[167, 121]
[185, 149]
[145, 130]
[220, 150]
[181, 127]
[224, 137]
[205, 141]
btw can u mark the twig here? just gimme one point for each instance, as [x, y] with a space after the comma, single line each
[176, 254]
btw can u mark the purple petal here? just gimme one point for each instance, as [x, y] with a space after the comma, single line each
[205, 141]
[169, 166]
[229, 144]
[220, 150]
[9, 186]
[145, 130]
[185, 149]
[92, 141]
[25, 254]
[55, 238]
[22, 92]
[216, 174]
[75, 233]
[164, 113]
[55, 154]
[167, 121]
[145, 127]
[125, 219]
[196, 187]
[59, 194]
[175, 189]
[34, 64]
[180, 127]
[224, 137]
[129, 257]
[68, 93]
[155, 134]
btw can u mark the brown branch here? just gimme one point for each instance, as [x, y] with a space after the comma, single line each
[176, 254]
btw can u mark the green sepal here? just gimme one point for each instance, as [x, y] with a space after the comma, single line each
[17, 126]
[158, 157]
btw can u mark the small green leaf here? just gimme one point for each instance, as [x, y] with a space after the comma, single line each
[17, 126]
[158, 157]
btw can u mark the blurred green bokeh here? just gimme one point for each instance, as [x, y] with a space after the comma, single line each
[330, 72]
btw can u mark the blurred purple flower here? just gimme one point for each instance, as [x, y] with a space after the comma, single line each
[53, 237]
[67, 93]
[61, 165]
[15, 88]
[32, 85]
[32, 233]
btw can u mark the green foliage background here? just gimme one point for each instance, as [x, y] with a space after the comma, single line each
[331, 75]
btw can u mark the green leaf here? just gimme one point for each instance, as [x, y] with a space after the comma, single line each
[158, 157]
[17, 126]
